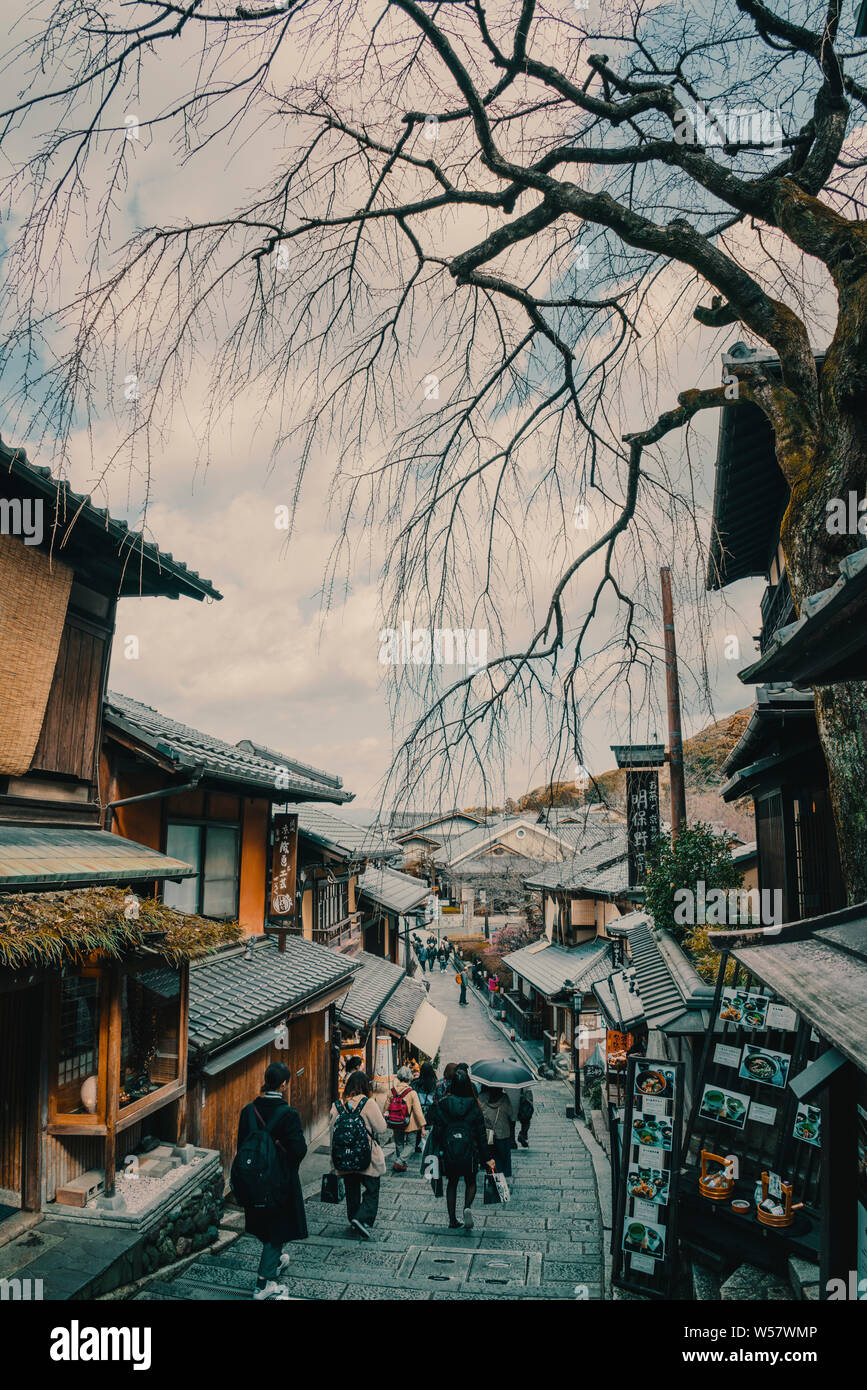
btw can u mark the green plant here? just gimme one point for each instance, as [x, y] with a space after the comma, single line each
[697, 856]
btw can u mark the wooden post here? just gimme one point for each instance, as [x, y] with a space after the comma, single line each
[838, 1244]
[675, 739]
[114, 984]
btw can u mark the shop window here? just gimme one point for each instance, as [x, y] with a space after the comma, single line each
[78, 1086]
[214, 852]
[150, 1033]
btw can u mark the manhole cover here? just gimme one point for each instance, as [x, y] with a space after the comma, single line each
[507, 1267]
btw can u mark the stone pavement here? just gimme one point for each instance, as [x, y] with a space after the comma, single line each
[546, 1243]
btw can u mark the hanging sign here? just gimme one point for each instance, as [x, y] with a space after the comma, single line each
[283, 866]
[642, 820]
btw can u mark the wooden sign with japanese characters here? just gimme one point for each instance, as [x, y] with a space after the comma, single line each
[283, 866]
[642, 820]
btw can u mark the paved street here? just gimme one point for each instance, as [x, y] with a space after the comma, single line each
[545, 1244]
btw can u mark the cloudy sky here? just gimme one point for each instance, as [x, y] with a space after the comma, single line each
[273, 661]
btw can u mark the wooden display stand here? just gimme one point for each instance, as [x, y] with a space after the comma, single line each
[721, 1191]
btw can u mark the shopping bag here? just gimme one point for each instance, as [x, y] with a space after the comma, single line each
[491, 1196]
[332, 1190]
[502, 1187]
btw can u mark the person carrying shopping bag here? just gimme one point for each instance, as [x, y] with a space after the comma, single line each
[498, 1113]
[458, 1139]
[356, 1154]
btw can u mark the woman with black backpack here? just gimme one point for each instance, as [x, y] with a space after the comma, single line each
[265, 1177]
[459, 1140]
[356, 1154]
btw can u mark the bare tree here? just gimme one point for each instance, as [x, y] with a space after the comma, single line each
[475, 223]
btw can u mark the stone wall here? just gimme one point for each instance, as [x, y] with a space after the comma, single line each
[190, 1227]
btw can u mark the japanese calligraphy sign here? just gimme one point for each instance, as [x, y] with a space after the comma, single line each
[642, 820]
[283, 866]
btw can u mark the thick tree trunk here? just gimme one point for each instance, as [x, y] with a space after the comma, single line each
[836, 465]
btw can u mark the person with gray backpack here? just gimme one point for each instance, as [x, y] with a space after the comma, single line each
[356, 1155]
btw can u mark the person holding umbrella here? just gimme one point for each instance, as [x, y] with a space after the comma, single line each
[499, 1079]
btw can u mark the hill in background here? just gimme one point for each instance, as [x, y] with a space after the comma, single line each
[703, 756]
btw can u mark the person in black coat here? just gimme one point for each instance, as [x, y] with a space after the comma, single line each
[274, 1226]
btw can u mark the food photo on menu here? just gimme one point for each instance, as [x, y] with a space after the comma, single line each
[808, 1125]
[644, 1238]
[652, 1131]
[648, 1185]
[725, 1107]
[758, 1064]
[747, 1010]
[654, 1080]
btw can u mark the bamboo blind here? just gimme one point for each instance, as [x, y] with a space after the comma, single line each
[34, 592]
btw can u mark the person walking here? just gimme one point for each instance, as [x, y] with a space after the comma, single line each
[458, 1139]
[493, 986]
[461, 978]
[403, 1114]
[444, 1085]
[271, 1145]
[444, 958]
[348, 1146]
[425, 1086]
[525, 1115]
[498, 1113]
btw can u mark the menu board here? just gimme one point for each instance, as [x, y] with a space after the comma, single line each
[283, 866]
[645, 1237]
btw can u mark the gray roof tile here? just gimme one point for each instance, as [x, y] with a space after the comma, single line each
[374, 984]
[395, 891]
[402, 1007]
[230, 995]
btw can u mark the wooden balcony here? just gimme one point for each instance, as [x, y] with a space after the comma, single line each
[526, 1022]
[346, 932]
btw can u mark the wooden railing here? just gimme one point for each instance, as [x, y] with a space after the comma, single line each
[339, 933]
[526, 1023]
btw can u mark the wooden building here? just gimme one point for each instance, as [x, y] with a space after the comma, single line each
[778, 761]
[93, 984]
[257, 1004]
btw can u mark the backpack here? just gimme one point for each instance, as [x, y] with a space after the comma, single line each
[350, 1141]
[427, 1100]
[525, 1110]
[397, 1115]
[458, 1147]
[258, 1178]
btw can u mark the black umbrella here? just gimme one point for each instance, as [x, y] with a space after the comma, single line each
[504, 1073]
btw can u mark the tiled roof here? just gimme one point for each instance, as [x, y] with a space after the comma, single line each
[402, 1007]
[338, 835]
[188, 748]
[619, 1000]
[230, 995]
[371, 988]
[673, 995]
[31, 854]
[137, 566]
[606, 848]
[489, 865]
[273, 755]
[826, 642]
[395, 891]
[546, 968]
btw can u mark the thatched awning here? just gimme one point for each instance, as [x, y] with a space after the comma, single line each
[55, 929]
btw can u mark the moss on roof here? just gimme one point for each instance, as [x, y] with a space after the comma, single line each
[54, 929]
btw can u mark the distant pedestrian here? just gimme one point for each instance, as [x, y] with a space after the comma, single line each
[403, 1114]
[461, 978]
[458, 1138]
[444, 1085]
[425, 1086]
[493, 986]
[357, 1157]
[444, 958]
[525, 1115]
[498, 1113]
[265, 1177]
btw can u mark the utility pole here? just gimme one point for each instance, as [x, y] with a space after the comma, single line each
[675, 738]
